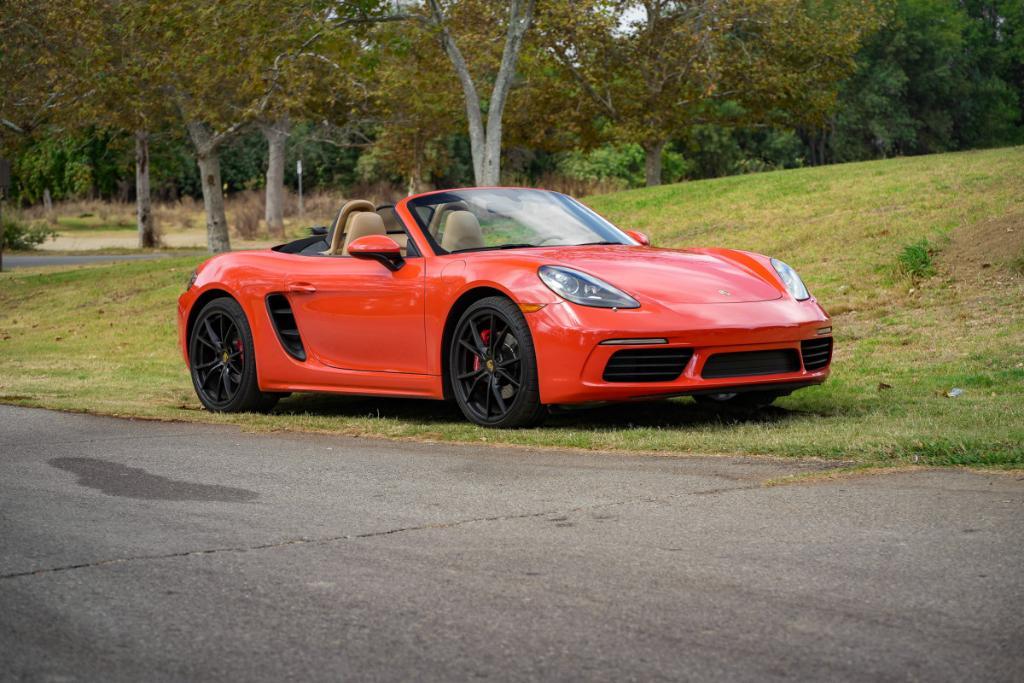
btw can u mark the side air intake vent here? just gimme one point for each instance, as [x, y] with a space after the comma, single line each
[284, 324]
[646, 365]
[748, 363]
[817, 353]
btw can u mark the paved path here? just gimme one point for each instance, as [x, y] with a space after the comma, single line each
[128, 239]
[150, 551]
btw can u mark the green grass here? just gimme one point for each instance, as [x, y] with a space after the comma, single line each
[915, 260]
[102, 338]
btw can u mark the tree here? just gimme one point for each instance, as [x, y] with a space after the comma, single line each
[35, 53]
[411, 131]
[484, 138]
[276, 134]
[655, 68]
[938, 76]
[74, 64]
[313, 75]
[223, 63]
[126, 93]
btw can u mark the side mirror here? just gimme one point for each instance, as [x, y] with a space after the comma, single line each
[640, 237]
[378, 248]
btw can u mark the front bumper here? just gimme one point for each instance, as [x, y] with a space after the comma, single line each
[571, 358]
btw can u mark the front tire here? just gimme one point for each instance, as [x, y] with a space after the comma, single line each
[492, 366]
[222, 361]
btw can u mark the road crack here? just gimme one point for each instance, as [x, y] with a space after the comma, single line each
[369, 534]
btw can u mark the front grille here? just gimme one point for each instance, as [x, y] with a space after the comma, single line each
[817, 353]
[748, 363]
[646, 365]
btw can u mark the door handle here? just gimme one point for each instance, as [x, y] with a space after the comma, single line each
[301, 288]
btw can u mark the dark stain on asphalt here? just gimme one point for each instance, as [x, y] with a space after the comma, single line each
[116, 479]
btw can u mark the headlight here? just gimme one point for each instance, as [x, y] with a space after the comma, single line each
[583, 289]
[792, 281]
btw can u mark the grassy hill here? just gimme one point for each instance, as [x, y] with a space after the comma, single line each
[920, 261]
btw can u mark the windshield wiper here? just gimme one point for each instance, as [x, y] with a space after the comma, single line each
[515, 245]
[590, 244]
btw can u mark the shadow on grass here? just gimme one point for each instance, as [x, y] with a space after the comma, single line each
[672, 413]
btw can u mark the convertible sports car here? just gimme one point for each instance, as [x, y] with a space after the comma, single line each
[505, 300]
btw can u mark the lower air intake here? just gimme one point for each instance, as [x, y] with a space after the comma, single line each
[751, 363]
[646, 365]
[817, 353]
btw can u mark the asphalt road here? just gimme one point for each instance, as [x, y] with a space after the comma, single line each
[159, 551]
[42, 259]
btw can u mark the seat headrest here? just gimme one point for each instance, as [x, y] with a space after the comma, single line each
[462, 231]
[441, 212]
[343, 219]
[362, 224]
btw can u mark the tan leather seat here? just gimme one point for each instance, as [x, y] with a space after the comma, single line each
[343, 221]
[362, 224]
[441, 212]
[462, 231]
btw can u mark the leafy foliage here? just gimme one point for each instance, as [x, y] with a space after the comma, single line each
[939, 76]
[623, 162]
[19, 236]
[705, 88]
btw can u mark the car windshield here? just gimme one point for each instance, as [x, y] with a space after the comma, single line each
[477, 220]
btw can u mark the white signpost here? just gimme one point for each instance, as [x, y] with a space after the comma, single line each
[5, 185]
[298, 169]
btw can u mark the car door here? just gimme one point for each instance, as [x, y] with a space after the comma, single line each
[355, 314]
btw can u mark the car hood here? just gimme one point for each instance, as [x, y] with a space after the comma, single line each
[671, 276]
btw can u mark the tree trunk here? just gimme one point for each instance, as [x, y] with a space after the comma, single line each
[48, 206]
[143, 201]
[415, 180]
[652, 162]
[491, 175]
[276, 134]
[485, 142]
[207, 157]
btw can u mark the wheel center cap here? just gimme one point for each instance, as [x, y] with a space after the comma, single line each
[224, 356]
[490, 365]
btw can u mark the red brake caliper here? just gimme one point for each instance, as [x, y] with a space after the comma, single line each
[485, 337]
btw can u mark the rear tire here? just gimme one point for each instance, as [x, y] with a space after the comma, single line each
[222, 361]
[492, 366]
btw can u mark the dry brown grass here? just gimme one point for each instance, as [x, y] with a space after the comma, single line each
[246, 214]
[378, 192]
[113, 214]
[183, 214]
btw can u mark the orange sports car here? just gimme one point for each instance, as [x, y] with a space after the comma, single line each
[506, 300]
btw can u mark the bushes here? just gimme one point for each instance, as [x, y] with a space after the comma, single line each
[624, 163]
[248, 210]
[21, 237]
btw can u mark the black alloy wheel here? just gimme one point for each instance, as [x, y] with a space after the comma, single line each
[493, 367]
[222, 361]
